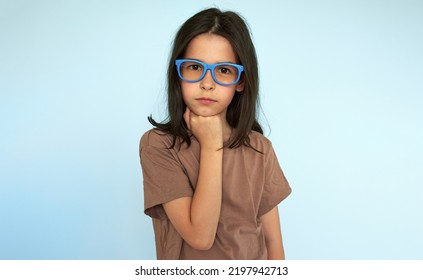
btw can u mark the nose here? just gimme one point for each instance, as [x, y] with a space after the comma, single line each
[207, 83]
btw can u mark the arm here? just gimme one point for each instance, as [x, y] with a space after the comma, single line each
[273, 235]
[196, 218]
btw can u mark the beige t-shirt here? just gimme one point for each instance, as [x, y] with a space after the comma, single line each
[253, 184]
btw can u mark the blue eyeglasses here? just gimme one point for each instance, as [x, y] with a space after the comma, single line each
[225, 73]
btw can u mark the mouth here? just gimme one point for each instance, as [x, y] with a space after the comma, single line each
[206, 101]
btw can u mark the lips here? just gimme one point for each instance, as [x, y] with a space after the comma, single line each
[206, 101]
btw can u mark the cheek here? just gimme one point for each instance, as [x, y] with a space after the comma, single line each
[186, 91]
[228, 95]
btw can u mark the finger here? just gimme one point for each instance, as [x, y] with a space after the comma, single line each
[187, 117]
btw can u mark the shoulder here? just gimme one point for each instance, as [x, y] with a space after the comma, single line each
[260, 142]
[156, 138]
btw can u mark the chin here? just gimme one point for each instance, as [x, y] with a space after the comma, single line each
[204, 113]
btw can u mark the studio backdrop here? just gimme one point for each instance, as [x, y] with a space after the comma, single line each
[341, 98]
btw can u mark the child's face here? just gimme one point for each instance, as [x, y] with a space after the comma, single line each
[206, 97]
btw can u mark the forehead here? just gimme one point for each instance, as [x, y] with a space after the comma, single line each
[210, 48]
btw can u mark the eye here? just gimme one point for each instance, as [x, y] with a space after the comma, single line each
[224, 70]
[193, 66]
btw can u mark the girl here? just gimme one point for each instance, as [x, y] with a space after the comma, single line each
[212, 182]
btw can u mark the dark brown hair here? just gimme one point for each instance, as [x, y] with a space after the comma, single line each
[241, 113]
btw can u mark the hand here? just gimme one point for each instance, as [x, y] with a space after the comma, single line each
[207, 130]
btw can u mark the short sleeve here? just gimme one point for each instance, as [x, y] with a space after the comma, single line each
[276, 187]
[163, 175]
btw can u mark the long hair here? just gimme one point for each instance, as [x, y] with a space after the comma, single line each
[241, 113]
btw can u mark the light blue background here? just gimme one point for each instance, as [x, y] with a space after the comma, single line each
[341, 85]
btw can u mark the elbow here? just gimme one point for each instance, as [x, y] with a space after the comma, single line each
[202, 244]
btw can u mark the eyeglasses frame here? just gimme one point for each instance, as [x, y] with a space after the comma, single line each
[207, 67]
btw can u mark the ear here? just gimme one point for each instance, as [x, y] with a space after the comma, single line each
[240, 85]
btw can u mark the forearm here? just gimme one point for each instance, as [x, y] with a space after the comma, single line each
[206, 202]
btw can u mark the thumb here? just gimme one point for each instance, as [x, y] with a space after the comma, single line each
[187, 117]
